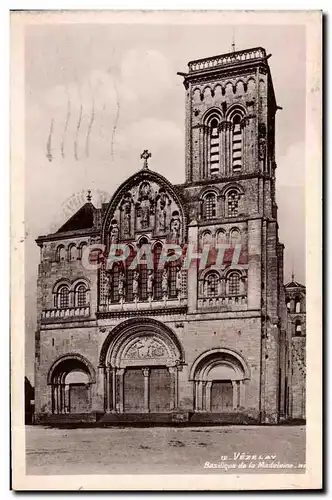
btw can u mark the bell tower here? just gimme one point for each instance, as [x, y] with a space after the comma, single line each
[230, 116]
[230, 195]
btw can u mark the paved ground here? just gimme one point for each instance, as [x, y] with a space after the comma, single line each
[168, 450]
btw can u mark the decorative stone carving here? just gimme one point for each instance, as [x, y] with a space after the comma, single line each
[150, 281]
[145, 203]
[146, 348]
[164, 283]
[178, 282]
[135, 283]
[121, 285]
[161, 220]
[126, 208]
[145, 214]
[114, 233]
[108, 284]
[163, 200]
[94, 240]
[175, 227]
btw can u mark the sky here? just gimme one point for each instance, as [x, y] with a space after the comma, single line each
[96, 96]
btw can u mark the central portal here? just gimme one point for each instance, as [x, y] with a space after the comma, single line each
[140, 363]
[147, 390]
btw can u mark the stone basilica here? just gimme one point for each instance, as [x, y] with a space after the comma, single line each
[218, 342]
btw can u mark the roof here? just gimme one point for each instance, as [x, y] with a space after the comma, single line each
[294, 284]
[82, 219]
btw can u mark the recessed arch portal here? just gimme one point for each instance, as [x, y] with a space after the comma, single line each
[140, 359]
[218, 376]
[71, 377]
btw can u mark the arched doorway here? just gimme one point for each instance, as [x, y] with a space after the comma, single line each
[141, 361]
[218, 377]
[71, 377]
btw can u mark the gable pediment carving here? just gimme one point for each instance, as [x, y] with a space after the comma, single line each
[144, 205]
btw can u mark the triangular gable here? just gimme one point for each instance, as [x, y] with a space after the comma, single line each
[82, 219]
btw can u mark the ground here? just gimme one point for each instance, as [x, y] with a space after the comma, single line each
[168, 450]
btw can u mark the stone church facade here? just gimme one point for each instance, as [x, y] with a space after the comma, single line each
[167, 304]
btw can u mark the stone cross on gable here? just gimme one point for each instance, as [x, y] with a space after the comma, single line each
[145, 156]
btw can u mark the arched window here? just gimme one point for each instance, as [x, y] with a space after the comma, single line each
[211, 154]
[115, 282]
[288, 304]
[233, 203]
[63, 297]
[211, 285]
[129, 275]
[214, 147]
[81, 298]
[81, 250]
[172, 272]
[234, 284]
[143, 274]
[221, 237]
[237, 143]
[235, 237]
[60, 254]
[209, 206]
[206, 238]
[297, 306]
[298, 328]
[72, 252]
[158, 273]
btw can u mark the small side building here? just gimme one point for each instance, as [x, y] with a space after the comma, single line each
[295, 294]
[29, 396]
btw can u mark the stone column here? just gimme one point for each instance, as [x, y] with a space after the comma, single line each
[200, 395]
[57, 398]
[60, 397]
[208, 389]
[175, 383]
[120, 374]
[63, 398]
[205, 153]
[146, 374]
[66, 398]
[113, 390]
[223, 286]
[53, 396]
[196, 397]
[171, 370]
[107, 389]
[100, 391]
[203, 395]
[176, 388]
[244, 130]
[234, 384]
[222, 148]
[200, 153]
[242, 393]
[228, 149]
